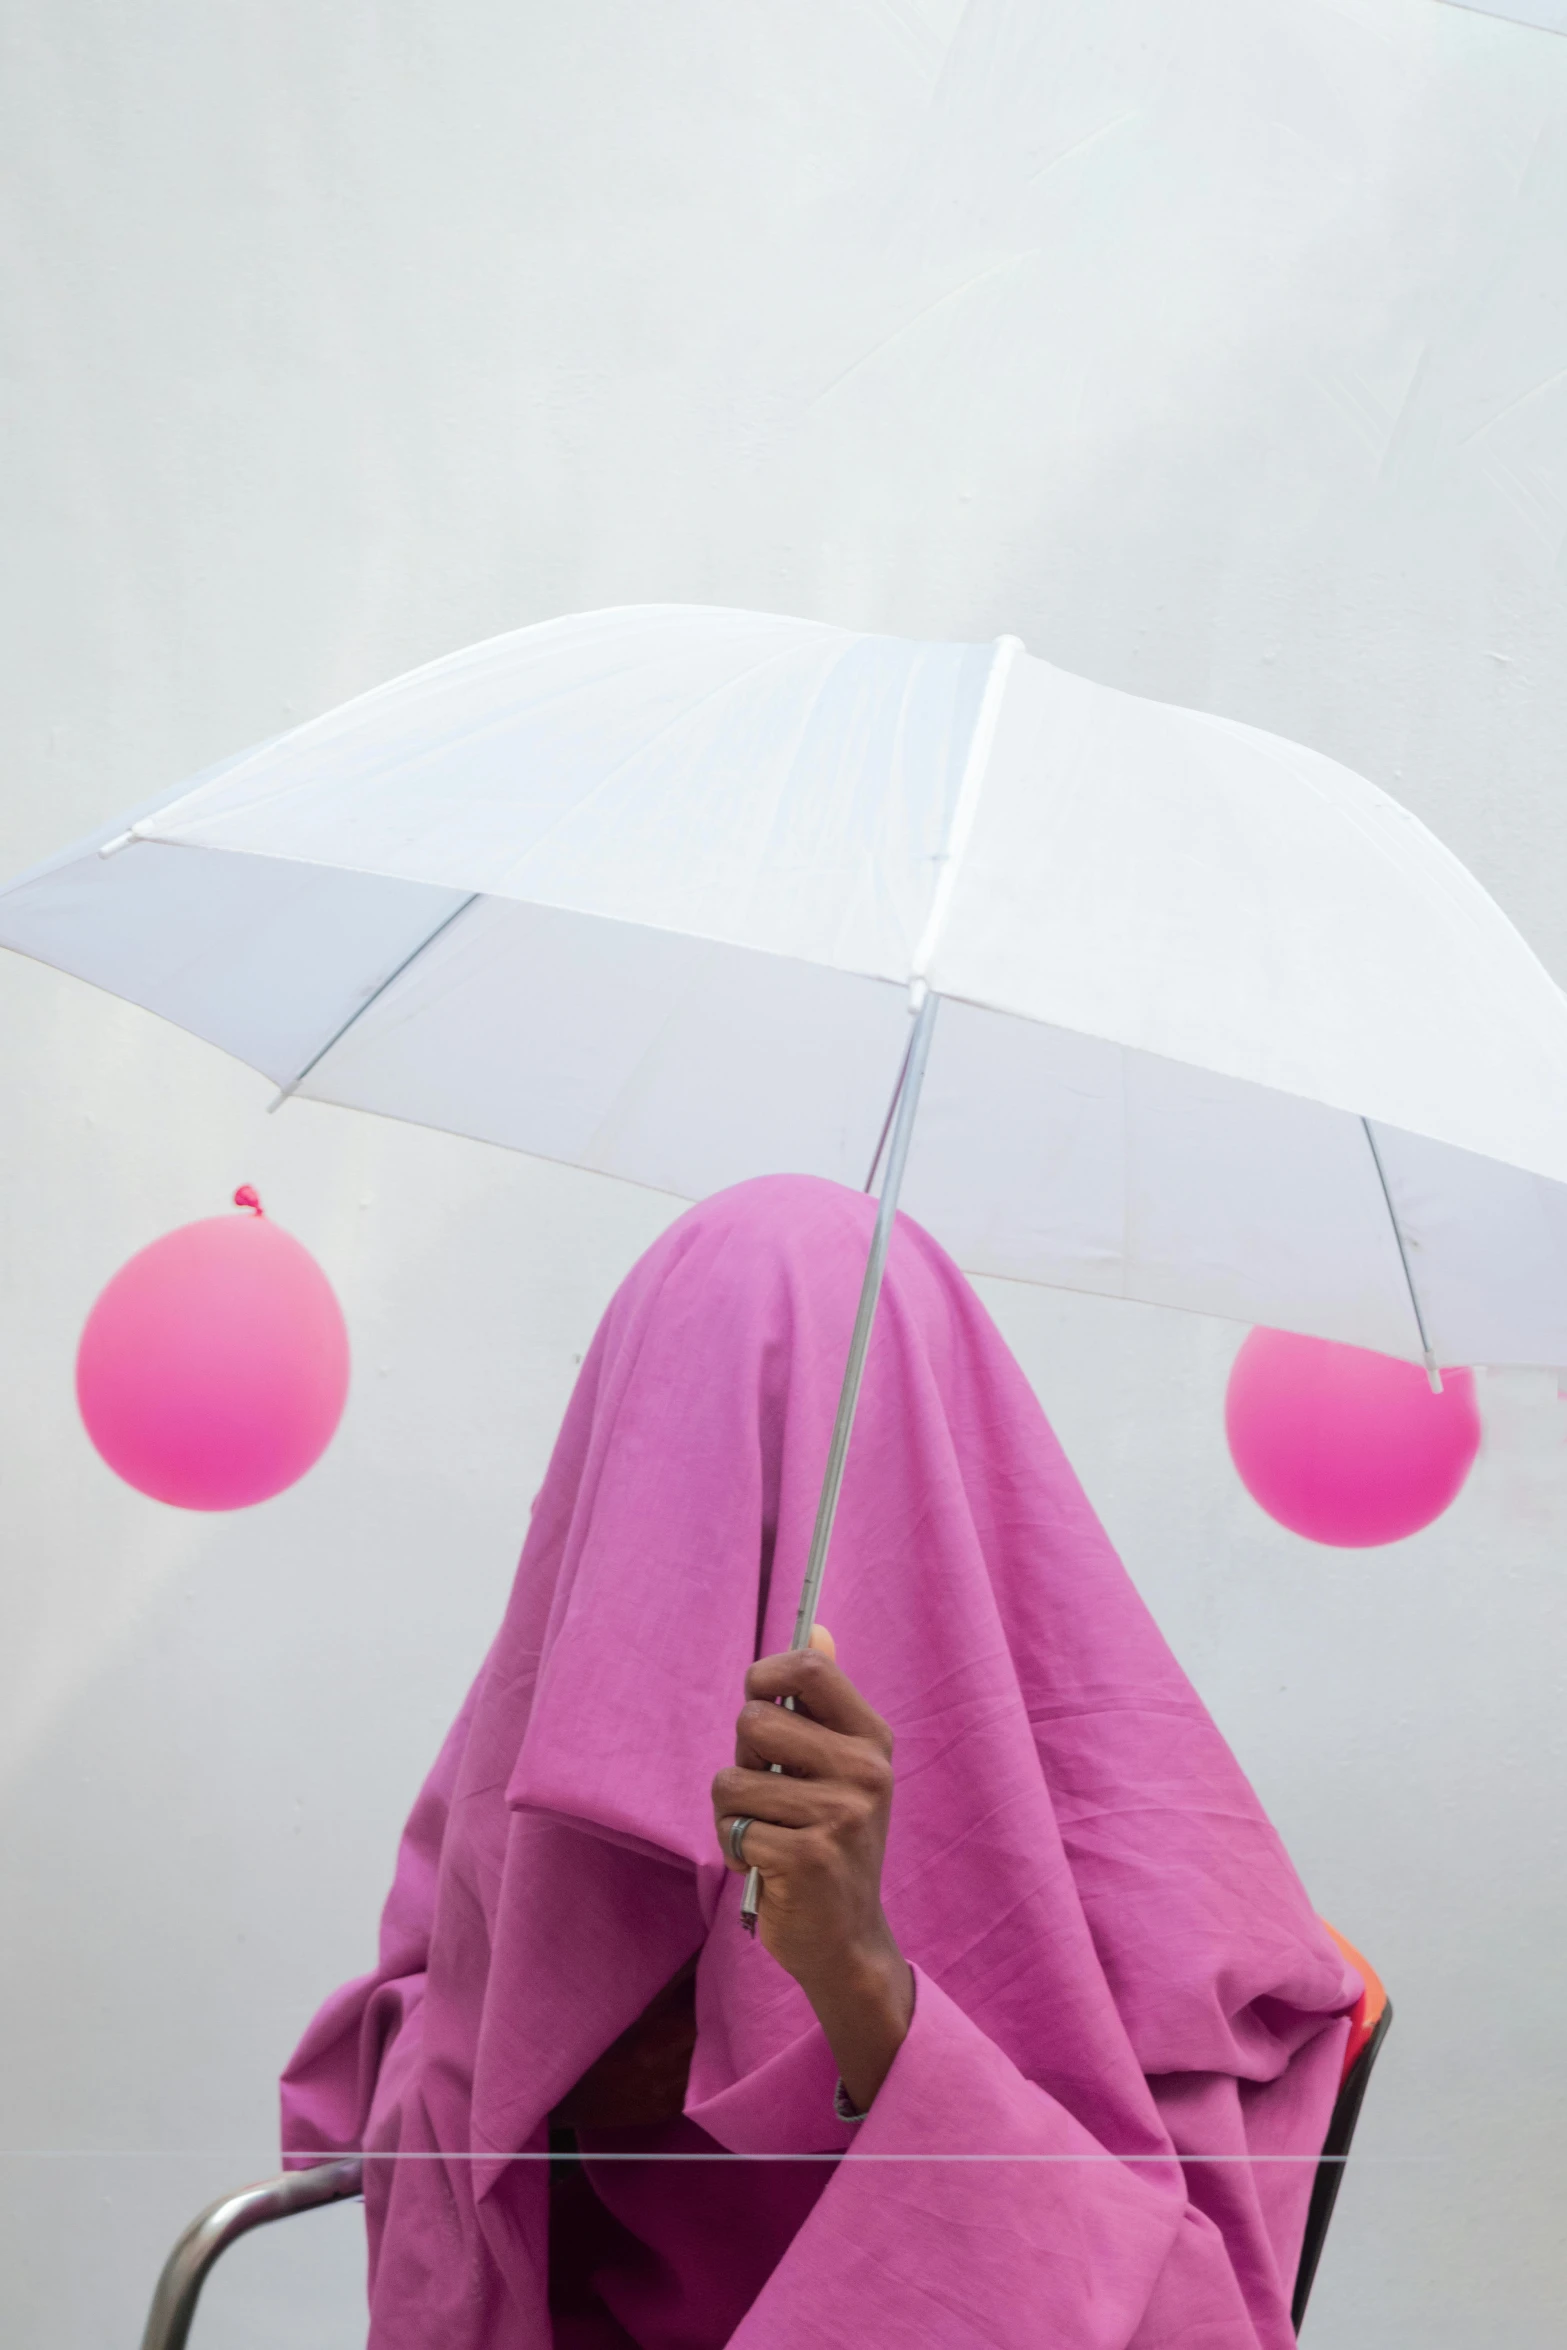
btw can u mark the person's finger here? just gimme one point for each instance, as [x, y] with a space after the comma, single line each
[821, 1638]
[769, 1734]
[763, 1846]
[786, 1802]
[821, 1689]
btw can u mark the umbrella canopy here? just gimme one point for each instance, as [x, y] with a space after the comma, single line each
[645, 890]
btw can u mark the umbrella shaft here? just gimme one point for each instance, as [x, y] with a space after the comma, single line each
[854, 1368]
[864, 1320]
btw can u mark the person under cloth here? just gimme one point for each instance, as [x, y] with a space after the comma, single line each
[1046, 1943]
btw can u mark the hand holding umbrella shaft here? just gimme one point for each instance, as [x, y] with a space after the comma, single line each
[816, 1783]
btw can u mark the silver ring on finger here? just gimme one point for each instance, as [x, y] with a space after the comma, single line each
[737, 1829]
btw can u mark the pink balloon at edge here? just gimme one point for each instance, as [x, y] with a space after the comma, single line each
[213, 1369]
[1347, 1447]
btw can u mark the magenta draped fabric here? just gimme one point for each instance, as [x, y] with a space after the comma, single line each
[1117, 1969]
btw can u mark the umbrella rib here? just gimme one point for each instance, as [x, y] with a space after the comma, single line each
[1427, 1352]
[892, 1111]
[295, 1082]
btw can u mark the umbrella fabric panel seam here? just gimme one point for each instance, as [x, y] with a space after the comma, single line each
[967, 806]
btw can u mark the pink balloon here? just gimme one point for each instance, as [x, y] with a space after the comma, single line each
[213, 1369]
[1345, 1446]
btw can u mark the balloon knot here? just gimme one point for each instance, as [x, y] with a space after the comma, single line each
[246, 1197]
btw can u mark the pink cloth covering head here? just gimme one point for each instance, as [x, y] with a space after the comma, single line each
[1114, 1960]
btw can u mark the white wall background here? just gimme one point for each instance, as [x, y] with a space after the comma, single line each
[1221, 351]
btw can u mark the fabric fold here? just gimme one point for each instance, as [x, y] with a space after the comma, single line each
[1118, 1967]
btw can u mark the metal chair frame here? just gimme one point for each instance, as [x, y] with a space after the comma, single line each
[190, 2263]
[187, 2268]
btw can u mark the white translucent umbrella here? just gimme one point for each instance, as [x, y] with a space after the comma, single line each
[648, 890]
[655, 891]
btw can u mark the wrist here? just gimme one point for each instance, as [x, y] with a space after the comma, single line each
[863, 1976]
[864, 2003]
[882, 1978]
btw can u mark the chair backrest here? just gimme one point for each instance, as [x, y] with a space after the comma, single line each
[1369, 2020]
